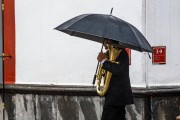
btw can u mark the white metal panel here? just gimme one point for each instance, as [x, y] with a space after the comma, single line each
[163, 27]
[46, 56]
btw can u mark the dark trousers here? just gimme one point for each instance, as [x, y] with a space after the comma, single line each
[113, 112]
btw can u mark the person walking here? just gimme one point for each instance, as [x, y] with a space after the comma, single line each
[119, 93]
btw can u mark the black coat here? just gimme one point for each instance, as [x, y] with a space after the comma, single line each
[119, 91]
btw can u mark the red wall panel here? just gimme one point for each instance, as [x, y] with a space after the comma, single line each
[9, 41]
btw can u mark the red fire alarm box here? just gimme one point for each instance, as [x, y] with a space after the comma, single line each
[159, 55]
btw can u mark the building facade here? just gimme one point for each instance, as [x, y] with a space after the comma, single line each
[47, 73]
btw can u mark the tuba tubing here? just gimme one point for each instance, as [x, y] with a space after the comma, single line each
[106, 75]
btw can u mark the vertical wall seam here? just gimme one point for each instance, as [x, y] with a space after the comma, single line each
[145, 54]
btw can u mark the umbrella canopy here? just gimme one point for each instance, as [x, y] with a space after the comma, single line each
[96, 27]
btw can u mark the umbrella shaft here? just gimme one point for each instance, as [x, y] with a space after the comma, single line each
[94, 79]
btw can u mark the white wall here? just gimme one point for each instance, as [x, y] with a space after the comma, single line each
[47, 56]
[163, 29]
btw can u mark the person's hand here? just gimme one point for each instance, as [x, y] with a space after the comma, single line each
[101, 57]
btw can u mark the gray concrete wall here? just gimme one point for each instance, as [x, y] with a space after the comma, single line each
[52, 107]
[57, 103]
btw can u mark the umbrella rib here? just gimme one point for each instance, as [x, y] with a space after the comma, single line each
[79, 32]
[83, 16]
[135, 35]
[131, 29]
[105, 29]
[86, 15]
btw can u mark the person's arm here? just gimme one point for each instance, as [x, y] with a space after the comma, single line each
[116, 68]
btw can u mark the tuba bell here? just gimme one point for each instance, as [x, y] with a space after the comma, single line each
[111, 54]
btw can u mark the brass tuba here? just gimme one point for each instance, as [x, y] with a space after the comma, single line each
[111, 54]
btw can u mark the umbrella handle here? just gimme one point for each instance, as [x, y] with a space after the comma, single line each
[94, 79]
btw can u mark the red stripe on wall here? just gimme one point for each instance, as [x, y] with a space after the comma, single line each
[9, 41]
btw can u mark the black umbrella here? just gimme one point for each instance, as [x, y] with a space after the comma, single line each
[96, 27]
